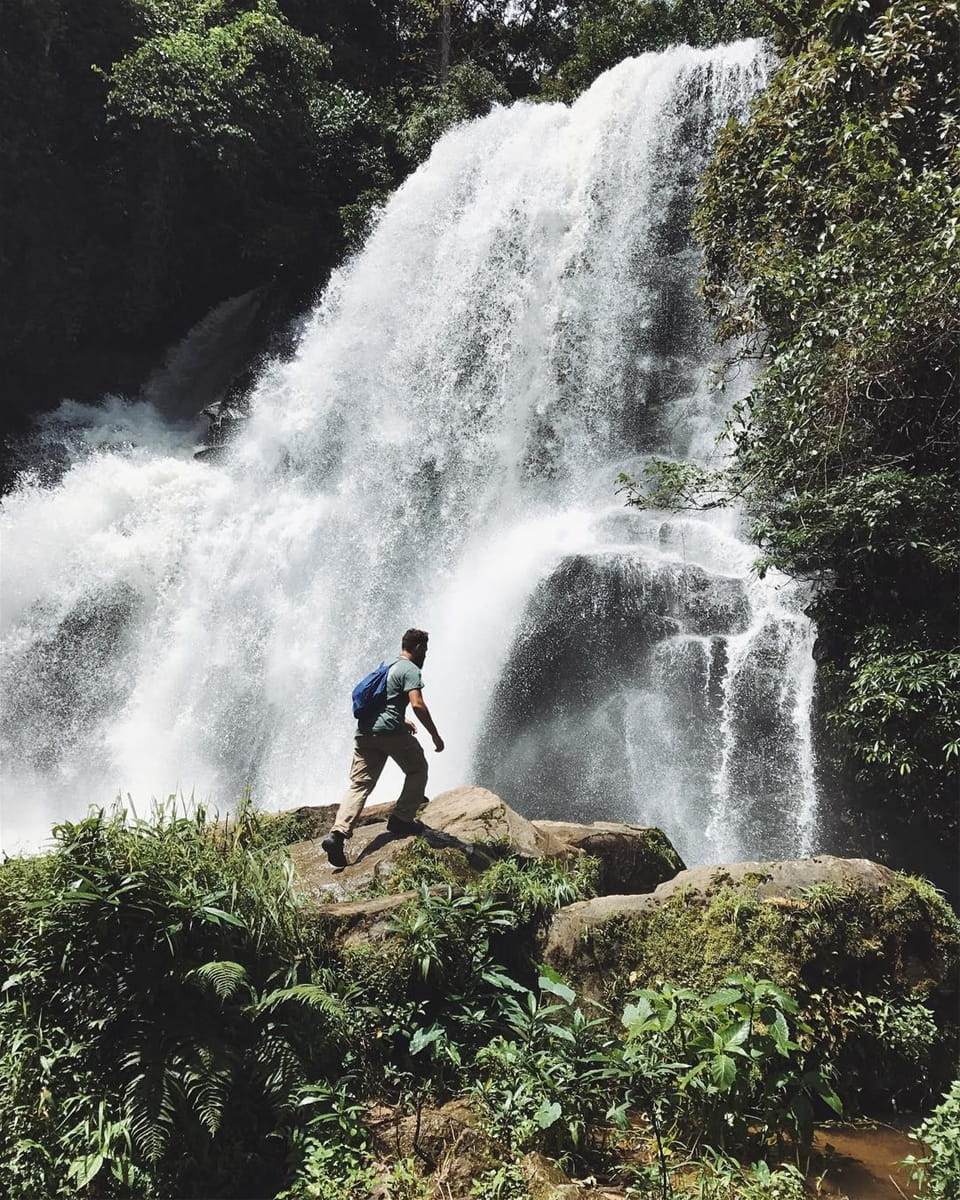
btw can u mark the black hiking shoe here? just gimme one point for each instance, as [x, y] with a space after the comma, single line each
[404, 828]
[332, 845]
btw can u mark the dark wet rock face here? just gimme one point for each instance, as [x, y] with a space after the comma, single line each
[594, 621]
[645, 689]
[632, 859]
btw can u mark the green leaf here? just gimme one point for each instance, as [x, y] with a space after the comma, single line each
[500, 980]
[550, 981]
[84, 1170]
[218, 914]
[425, 1037]
[723, 1070]
[722, 997]
[547, 1114]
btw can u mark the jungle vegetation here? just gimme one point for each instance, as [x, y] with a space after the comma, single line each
[175, 1020]
[166, 1025]
[158, 156]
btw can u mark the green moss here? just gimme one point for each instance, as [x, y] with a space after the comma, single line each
[659, 853]
[692, 943]
[876, 973]
[906, 936]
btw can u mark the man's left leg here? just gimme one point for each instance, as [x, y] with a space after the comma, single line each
[369, 760]
[409, 756]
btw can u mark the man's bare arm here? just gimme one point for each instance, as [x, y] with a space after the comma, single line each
[422, 713]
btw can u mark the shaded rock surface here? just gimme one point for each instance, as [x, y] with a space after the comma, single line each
[352, 922]
[470, 820]
[632, 858]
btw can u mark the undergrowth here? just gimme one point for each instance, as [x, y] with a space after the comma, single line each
[170, 1024]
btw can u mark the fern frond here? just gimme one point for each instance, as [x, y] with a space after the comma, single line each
[316, 998]
[278, 1066]
[207, 1090]
[225, 977]
[149, 1104]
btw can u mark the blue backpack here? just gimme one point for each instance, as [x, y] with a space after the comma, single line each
[370, 693]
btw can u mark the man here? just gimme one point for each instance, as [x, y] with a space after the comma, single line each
[386, 733]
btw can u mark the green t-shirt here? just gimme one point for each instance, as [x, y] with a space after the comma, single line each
[403, 676]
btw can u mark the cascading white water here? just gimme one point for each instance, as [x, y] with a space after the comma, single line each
[441, 452]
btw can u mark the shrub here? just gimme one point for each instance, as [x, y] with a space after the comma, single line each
[152, 1019]
[938, 1171]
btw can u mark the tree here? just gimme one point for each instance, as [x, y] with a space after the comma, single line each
[156, 158]
[601, 33]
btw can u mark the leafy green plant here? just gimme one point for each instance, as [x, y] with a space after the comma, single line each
[552, 1081]
[722, 1178]
[169, 951]
[331, 1151]
[331, 1171]
[829, 222]
[407, 1182]
[938, 1170]
[504, 1182]
[723, 1069]
[536, 888]
[882, 1048]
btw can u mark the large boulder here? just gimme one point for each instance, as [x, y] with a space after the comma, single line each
[808, 924]
[476, 815]
[788, 879]
[469, 825]
[633, 858]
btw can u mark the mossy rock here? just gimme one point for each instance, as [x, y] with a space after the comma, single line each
[845, 936]
[633, 858]
[811, 923]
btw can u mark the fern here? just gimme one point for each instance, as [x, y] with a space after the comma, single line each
[150, 1106]
[225, 977]
[278, 1066]
[208, 1080]
[316, 998]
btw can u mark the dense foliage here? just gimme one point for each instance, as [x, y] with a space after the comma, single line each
[829, 221]
[158, 156]
[938, 1169]
[174, 1022]
[604, 32]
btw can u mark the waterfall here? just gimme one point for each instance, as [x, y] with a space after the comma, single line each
[441, 452]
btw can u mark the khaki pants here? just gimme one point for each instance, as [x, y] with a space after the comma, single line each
[369, 758]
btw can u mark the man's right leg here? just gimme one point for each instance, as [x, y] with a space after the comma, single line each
[369, 760]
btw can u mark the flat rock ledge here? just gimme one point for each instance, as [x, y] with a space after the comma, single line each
[481, 827]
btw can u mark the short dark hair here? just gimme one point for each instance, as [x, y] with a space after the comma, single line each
[413, 639]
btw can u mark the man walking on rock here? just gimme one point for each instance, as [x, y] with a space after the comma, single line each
[386, 733]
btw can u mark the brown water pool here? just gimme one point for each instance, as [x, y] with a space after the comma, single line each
[864, 1162]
